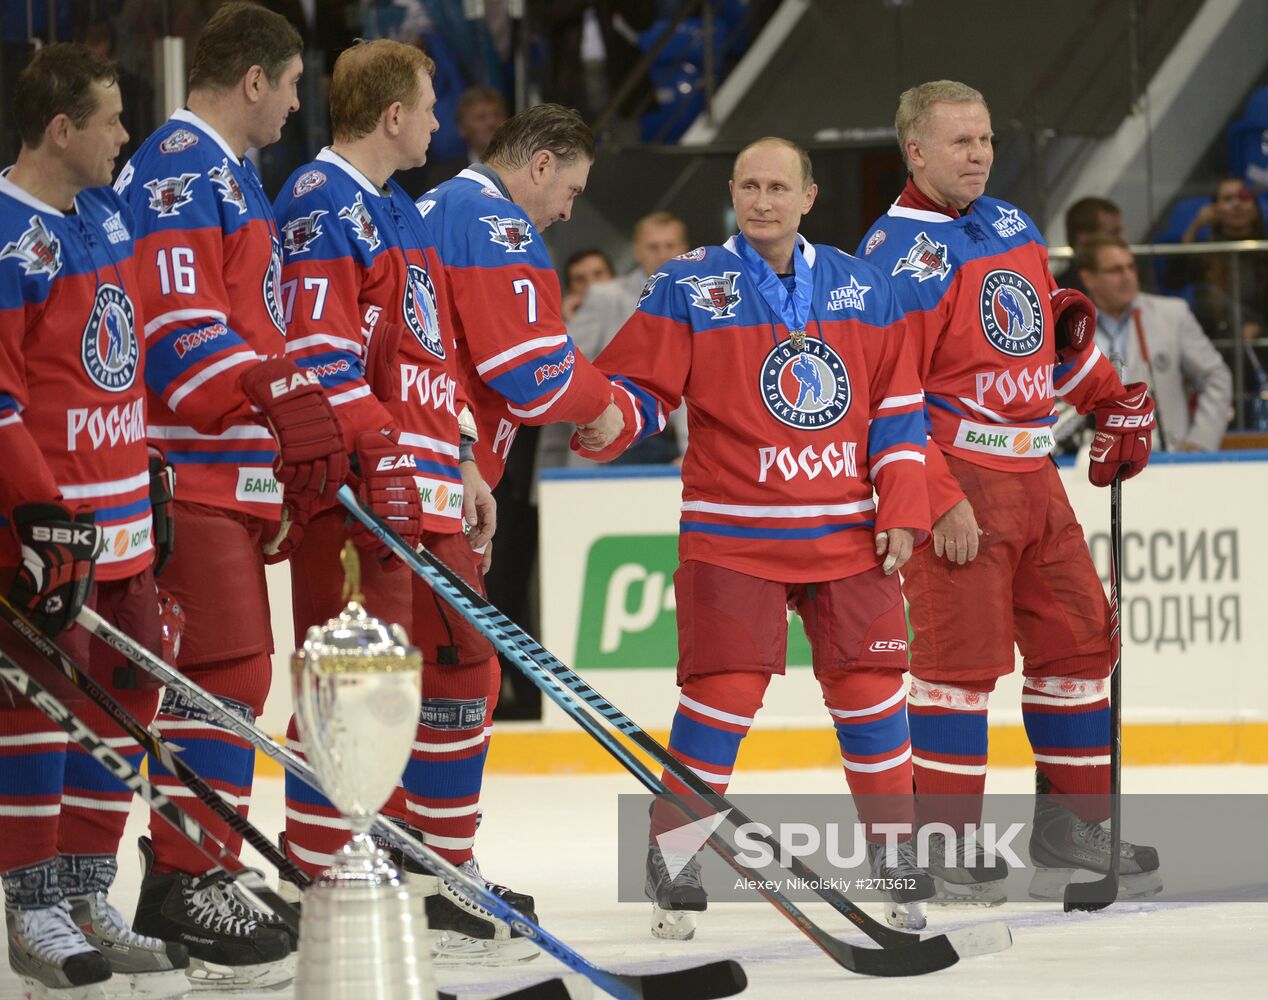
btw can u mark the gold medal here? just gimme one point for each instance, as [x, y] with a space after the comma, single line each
[797, 338]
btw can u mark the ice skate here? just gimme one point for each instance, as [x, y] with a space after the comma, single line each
[964, 874]
[52, 957]
[1062, 844]
[676, 899]
[228, 950]
[144, 966]
[464, 933]
[908, 885]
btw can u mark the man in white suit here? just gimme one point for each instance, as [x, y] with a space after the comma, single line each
[1156, 339]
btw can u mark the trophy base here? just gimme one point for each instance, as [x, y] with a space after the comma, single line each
[362, 940]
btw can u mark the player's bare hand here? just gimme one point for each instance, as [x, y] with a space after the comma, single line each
[956, 534]
[895, 545]
[603, 431]
[479, 509]
[486, 563]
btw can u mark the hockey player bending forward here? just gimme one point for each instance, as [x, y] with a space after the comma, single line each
[995, 340]
[76, 508]
[255, 443]
[801, 400]
[369, 316]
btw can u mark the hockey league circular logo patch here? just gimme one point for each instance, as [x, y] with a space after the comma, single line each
[110, 350]
[807, 388]
[1012, 314]
[419, 306]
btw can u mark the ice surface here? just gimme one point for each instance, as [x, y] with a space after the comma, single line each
[555, 837]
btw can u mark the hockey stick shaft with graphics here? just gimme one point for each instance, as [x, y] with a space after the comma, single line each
[96, 747]
[713, 979]
[565, 687]
[151, 743]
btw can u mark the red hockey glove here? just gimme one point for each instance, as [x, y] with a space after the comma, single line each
[1124, 435]
[59, 553]
[162, 492]
[296, 510]
[1075, 319]
[311, 463]
[387, 488]
[380, 353]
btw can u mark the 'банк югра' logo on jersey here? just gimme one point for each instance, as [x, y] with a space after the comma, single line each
[419, 306]
[513, 234]
[299, 235]
[230, 192]
[926, 259]
[1012, 316]
[168, 195]
[272, 287]
[715, 294]
[110, 350]
[363, 227]
[37, 250]
[809, 388]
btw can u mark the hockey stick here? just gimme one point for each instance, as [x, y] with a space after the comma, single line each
[909, 954]
[152, 744]
[248, 879]
[1089, 897]
[702, 982]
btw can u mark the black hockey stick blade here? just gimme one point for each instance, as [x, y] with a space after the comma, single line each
[547, 989]
[715, 979]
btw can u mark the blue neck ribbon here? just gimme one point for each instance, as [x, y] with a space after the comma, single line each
[792, 308]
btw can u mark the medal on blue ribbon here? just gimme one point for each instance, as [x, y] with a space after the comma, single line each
[792, 308]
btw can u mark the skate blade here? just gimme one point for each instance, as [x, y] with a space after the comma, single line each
[673, 925]
[147, 985]
[203, 975]
[449, 950]
[906, 916]
[1049, 884]
[33, 989]
[974, 894]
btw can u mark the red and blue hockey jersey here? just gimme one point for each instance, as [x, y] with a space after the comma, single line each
[515, 358]
[359, 271]
[210, 262]
[72, 395]
[785, 443]
[975, 290]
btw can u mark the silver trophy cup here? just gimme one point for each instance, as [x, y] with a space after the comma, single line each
[357, 686]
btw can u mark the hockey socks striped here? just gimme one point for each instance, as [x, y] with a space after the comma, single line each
[949, 747]
[1068, 722]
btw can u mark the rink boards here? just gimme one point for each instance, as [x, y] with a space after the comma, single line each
[1195, 579]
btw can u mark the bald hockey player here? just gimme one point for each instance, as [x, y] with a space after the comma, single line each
[802, 488]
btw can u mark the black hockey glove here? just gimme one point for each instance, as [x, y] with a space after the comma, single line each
[162, 491]
[58, 556]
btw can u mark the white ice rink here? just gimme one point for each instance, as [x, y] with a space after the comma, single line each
[555, 837]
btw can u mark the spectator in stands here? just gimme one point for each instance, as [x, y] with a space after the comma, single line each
[1088, 217]
[479, 112]
[657, 237]
[1157, 340]
[1233, 214]
[583, 269]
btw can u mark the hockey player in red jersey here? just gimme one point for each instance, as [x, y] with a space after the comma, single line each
[518, 362]
[255, 443]
[995, 341]
[75, 502]
[366, 304]
[801, 402]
